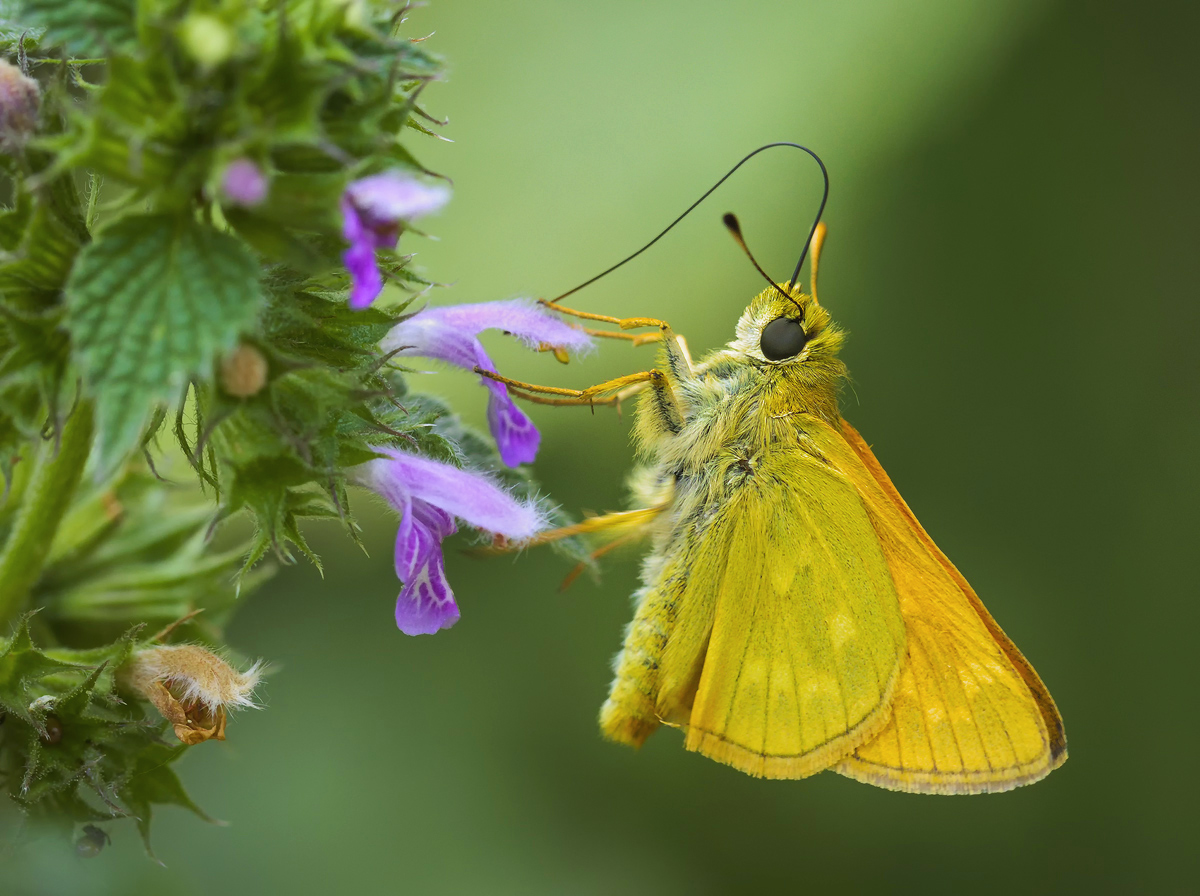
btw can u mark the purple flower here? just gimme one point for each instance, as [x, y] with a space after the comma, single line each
[450, 334]
[372, 211]
[429, 495]
[243, 183]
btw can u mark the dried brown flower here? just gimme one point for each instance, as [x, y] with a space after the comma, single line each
[192, 687]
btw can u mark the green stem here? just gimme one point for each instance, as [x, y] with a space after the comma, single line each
[52, 483]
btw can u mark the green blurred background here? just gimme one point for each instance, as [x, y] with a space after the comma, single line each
[1013, 223]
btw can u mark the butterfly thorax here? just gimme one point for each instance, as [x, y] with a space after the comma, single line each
[737, 404]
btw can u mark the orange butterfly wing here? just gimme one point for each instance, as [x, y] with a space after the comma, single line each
[970, 715]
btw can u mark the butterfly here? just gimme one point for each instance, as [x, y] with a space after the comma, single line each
[794, 616]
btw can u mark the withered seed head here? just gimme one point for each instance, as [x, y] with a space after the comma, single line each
[191, 686]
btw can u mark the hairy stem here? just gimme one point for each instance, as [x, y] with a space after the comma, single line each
[47, 496]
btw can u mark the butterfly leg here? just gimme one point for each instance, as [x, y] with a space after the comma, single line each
[679, 365]
[582, 566]
[622, 523]
[664, 410]
[621, 528]
[636, 338]
[609, 392]
[625, 323]
[630, 714]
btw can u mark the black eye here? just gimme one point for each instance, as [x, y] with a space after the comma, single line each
[782, 338]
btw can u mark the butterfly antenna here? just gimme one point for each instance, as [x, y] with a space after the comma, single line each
[708, 193]
[729, 219]
[818, 241]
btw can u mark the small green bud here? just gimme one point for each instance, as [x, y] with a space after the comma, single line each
[207, 39]
[353, 12]
[42, 704]
[19, 98]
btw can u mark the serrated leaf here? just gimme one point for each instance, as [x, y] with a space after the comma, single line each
[154, 783]
[151, 303]
[87, 28]
[44, 246]
[266, 489]
[287, 90]
[21, 665]
[11, 26]
[139, 129]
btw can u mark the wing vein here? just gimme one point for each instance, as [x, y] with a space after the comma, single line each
[924, 722]
[845, 590]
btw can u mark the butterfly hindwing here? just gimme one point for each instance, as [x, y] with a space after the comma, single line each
[970, 714]
[806, 635]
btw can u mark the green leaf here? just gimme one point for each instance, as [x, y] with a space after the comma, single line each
[138, 129]
[43, 246]
[11, 26]
[152, 563]
[21, 665]
[154, 783]
[151, 303]
[287, 89]
[87, 28]
[267, 489]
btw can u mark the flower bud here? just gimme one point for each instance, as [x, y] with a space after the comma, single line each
[52, 731]
[244, 371]
[191, 686]
[19, 96]
[207, 39]
[42, 704]
[243, 183]
[353, 12]
[91, 842]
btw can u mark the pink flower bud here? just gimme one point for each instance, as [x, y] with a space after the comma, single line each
[243, 183]
[19, 97]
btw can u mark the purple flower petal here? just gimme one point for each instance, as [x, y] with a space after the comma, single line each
[464, 494]
[516, 436]
[420, 534]
[517, 439]
[367, 282]
[426, 603]
[429, 495]
[372, 211]
[386, 199]
[448, 333]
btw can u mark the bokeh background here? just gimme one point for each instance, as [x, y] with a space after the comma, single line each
[1013, 248]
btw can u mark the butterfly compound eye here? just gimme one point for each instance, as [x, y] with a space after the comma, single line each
[782, 338]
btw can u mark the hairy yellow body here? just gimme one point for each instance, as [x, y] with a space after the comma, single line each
[794, 615]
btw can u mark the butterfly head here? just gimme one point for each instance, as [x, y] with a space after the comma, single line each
[787, 329]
